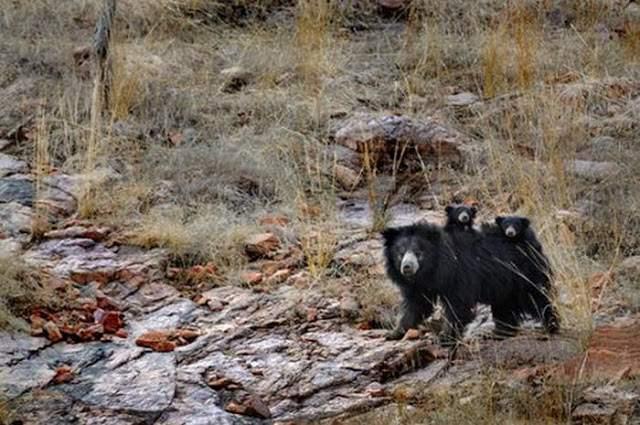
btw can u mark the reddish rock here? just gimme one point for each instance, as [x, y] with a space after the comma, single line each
[211, 300]
[37, 325]
[52, 331]
[278, 277]
[201, 273]
[167, 339]
[261, 246]
[364, 326]
[106, 303]
[121, 333]
[251, 278]
[94, 233]
[274, 220]
[300, 279]
[412, 334]
[222, 382]
[250, 405]
[99, 276]
[90, 333]
[188, 335]
[157, 341]
[375, 389]
[312, 314]
[63, 374]
[613, 352]
[112, 322]
[132, 277]
[87, 304]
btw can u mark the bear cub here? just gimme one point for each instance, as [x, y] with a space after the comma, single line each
[460, 217]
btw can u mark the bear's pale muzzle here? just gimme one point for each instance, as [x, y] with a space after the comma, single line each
[409, 265]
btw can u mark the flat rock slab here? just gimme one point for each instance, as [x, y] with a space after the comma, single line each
[144, 385]
[85, 260]
[613, 352]
[15, 219]
[11, 165]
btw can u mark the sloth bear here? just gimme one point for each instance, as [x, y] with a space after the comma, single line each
[460, 217]
[429, 263]
[527, 266]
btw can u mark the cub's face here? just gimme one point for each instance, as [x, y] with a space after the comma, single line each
[408, 252]
[461, 214]
[513, 226]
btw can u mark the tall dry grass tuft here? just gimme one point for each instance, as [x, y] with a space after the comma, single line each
[126, 86]
[510, 53]
[531, 169]
[494, 63]
[41, 169]
[526, 33]
[314, 19]
[102, 83]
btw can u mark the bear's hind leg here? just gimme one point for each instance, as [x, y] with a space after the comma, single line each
[543, 310]
[506, 321]
[458, 315]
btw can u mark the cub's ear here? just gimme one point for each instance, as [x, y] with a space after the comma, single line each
[525, 222]
[390, 233]
[474, 211]
[499, 220]
[448, 209]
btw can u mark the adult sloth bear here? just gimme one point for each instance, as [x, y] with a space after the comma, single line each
[428, 263]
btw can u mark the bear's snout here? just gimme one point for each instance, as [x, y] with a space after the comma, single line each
[409, 265]
[463, 217]
[510, 231]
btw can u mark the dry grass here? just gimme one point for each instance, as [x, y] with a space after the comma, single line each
[198, 163]
[486, 399]
[41, 169]
[20, 291]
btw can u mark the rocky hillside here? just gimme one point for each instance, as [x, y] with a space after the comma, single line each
[201, 244]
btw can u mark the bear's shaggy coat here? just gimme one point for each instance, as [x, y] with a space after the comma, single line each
[429, 263]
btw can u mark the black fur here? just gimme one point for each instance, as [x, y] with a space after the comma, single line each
[443, 274]
[454, 212]
[526, 270]
[486, 267]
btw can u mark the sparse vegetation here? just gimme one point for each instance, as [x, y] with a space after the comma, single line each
[20, 291]
[188, 155]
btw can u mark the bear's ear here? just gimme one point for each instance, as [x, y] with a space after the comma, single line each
[390, 233]
[448, 209]
[525, 222]
[474, 211]
[499, 220]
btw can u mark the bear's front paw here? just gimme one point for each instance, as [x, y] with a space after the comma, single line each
[394, 335]
[504, 332]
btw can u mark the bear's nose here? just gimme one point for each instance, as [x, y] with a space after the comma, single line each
[511, 232]
[464, 217]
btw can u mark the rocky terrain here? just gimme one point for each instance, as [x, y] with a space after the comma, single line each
[218, 260]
